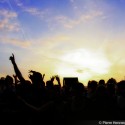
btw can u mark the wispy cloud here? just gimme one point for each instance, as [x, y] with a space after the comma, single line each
[41, 14]
[18, 3]
[16, 42]
[8, 14]
[31, 9]
[8, 20]
[71, 23]
[74, 5]
[48, 15]
[53, 40]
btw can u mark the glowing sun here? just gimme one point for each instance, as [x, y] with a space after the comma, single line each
[83, 64]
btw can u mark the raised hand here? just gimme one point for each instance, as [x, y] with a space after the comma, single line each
[43, 76]
[16, 69]
[12, 58]
[57, 78]
[31, 71]
[52, 78]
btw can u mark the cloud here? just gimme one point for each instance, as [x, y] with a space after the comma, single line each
[8, 21]
[16, 42]
[8, 14]
[67, 22]
[41, 14]
[52, 41]
[82, 12]
[79, 70]
[71, 23]
[50, 47]
[74, 5]
[13, 27]
[48, 15]
[32, 10]
[19, 3]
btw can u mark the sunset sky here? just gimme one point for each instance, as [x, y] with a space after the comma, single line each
[83, 38]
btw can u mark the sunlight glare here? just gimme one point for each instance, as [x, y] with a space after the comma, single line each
[83, 64]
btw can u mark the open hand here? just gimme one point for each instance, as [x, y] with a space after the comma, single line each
[12, 58]
[52, 78]
[57, 78]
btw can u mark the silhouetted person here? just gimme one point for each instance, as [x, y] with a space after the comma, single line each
[92, 86]
[101, 82]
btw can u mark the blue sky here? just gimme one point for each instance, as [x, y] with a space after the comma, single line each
[50, 35]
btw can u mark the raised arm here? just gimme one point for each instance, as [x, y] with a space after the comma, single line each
[16, 69]
[58, 80]
[52, 78]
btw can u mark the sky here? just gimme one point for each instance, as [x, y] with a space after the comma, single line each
[71, 38]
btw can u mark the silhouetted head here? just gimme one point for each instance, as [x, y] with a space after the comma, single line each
[80, 88]
[2, 78]
[101, 82]
[111, 81]
[77, 89]
[9, 80]
[92, 85]
[121, 87]
[49, 84]
[36, 78]
[111, 85]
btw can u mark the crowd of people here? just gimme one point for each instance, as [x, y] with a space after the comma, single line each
[35, 101]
